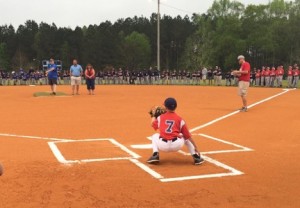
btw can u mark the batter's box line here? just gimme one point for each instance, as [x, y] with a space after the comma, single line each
[241, 148]
[231, 171]
[153, 173]
[59, 156]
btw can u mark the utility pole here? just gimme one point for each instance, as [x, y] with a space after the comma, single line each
[158, 35]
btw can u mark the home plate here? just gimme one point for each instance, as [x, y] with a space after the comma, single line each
[142, 146]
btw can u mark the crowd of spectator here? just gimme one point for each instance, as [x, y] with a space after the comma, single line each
[265, 76]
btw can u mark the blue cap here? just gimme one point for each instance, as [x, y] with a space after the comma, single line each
[170, 103]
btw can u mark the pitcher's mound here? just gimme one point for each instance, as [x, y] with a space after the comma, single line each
[48, 94]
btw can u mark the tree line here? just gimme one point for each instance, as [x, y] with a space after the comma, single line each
[265, 34]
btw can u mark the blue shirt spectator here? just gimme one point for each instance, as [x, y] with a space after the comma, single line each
[52, 74]
[76, 70]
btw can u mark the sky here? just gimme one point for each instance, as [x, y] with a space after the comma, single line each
[72, 13]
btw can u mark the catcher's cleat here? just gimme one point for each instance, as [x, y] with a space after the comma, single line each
[197, 159]
[154, 158]
[244, 109]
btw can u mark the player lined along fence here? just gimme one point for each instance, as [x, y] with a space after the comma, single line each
[264, 77]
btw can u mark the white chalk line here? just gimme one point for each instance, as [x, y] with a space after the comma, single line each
[57, 153]
[146, 168]
[237, 111]
[34, 137]
[59, 156]
[232, 172]
[242, 148]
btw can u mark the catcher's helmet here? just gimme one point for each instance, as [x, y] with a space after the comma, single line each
[170, 103]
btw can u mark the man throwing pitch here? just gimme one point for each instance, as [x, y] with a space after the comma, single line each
[173, 133]
[244, 79]
[52, 75]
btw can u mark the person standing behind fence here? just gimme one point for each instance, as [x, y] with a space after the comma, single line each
[279, 76]
[257, 77]
[272, 77]
[290, 76]
[90, 78]
[262, 76]
[296, 74]
[267, 77]
[75, 73]
[204, 75]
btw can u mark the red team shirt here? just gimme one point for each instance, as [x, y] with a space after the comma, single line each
[279, 72]
[290, 72]
[245, 67]
[171, 126]
[273, 73]
[296, 72]
[267, 73]
[257, 75]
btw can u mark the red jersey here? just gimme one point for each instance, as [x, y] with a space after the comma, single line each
[279, 72]
[267, 73]
[171, 126]
[263, 73]
[272, 73]
[245, 67]
[290, 72]
[257, 75]
[296, 72]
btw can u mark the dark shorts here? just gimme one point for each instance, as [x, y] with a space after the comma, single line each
[90, 84]
[52, 81]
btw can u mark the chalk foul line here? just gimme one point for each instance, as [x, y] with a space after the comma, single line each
[237, 111]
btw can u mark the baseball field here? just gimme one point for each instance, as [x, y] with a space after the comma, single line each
[91, 151]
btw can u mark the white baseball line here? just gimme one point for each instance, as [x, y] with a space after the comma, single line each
[147, 169]
[34, 137]
[233, 172]
[59, 156]
[237, 111]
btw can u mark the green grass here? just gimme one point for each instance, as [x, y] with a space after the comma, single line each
[48, 94]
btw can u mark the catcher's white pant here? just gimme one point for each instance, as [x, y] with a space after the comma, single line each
[170, 146]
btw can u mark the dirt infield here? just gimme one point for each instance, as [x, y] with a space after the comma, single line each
[76, 151]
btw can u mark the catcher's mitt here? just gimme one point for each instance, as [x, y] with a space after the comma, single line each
[157, 111]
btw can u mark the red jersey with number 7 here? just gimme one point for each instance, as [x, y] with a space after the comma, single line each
[171, 126]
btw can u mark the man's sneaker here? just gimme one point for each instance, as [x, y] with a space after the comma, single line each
[244, 109]
[54, 93]
[154, 158]
[197, 159]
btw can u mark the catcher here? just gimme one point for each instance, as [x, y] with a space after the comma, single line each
[173, 132]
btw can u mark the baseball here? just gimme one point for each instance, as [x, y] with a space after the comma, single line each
[1, 170]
